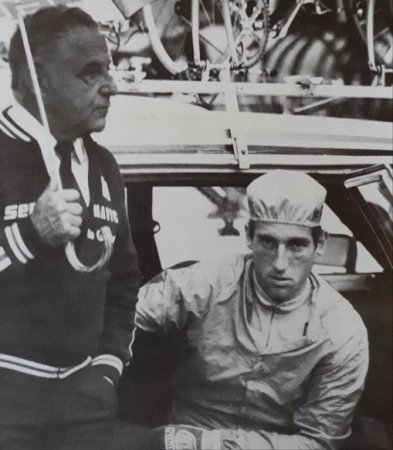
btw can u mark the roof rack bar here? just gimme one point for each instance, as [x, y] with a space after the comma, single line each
[282, 89]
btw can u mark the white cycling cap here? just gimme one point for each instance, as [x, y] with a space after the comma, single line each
[288, 197]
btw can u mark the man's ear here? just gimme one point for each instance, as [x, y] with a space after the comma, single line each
[25, 82]
[322, 242]
[42, 78]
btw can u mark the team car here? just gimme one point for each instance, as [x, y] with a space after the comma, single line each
[185, 170]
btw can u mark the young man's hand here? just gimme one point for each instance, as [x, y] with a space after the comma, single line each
[128, 436]
[186, 437]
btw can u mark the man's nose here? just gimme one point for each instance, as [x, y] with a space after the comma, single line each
[108, 87]
[281, 259]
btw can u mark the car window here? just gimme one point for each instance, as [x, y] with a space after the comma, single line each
[372, 190]
[199, 223]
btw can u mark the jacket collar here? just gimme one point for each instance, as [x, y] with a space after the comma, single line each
[26, 127]
[286, 306]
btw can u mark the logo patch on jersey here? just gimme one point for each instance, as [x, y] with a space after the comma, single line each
[105, 189]
[18, 211]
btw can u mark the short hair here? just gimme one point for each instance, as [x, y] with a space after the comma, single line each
[316, 232]
[44, 27]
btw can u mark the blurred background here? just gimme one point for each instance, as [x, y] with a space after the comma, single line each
[322, 42]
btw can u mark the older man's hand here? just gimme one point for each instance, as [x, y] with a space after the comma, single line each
[57, 215]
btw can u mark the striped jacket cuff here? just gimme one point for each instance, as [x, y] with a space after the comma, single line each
[29, 238]
[108, 366]
[20, 241]
[5, 261]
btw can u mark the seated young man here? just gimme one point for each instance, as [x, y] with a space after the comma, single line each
[276, 358]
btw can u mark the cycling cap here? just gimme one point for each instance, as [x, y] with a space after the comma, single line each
[288, 197]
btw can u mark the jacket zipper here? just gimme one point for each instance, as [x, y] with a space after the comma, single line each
[270, 326]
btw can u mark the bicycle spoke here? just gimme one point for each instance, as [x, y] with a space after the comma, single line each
[381, 33]
[206, 11]
[210, 43]
[203, 38]
[179, 52]
[220, 11]
[185, 21]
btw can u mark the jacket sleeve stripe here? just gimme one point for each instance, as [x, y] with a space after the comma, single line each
[20, 242]
[5, 131]
[4, 262]
[15, 125]
[109, 360]
[14, 130]
[14, 246]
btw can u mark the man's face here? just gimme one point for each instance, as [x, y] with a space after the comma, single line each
[283, 257]
[76, 83]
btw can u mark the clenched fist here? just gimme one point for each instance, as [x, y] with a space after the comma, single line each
[57, 215]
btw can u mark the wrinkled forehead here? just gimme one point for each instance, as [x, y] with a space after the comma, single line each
[282, 231]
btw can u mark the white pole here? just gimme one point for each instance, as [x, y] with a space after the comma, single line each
[48, 152]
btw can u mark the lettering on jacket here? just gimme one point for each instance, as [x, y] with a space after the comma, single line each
[98, 236]
[105, 213]
[23, 210]
[18, 211]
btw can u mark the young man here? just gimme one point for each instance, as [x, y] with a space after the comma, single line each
[64, 334]
[275, 358]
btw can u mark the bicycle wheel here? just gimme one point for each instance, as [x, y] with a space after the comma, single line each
[373, 21]
[209, 36]
[247, 27]
[169, 26]
[191, 31]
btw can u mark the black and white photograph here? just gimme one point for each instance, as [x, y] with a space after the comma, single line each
[196, 224]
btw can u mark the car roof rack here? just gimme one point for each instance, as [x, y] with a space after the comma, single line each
[167, 134]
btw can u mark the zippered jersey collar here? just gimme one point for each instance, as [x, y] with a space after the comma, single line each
[286, 306]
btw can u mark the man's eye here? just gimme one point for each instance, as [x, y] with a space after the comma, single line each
[297, 246]
[91, 75]
[267, 243]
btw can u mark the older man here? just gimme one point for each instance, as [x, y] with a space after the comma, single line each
[64, 334]
[275, 358]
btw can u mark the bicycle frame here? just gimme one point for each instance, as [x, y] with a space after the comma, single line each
[196, 35]
[284, 12]
[277, 26]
